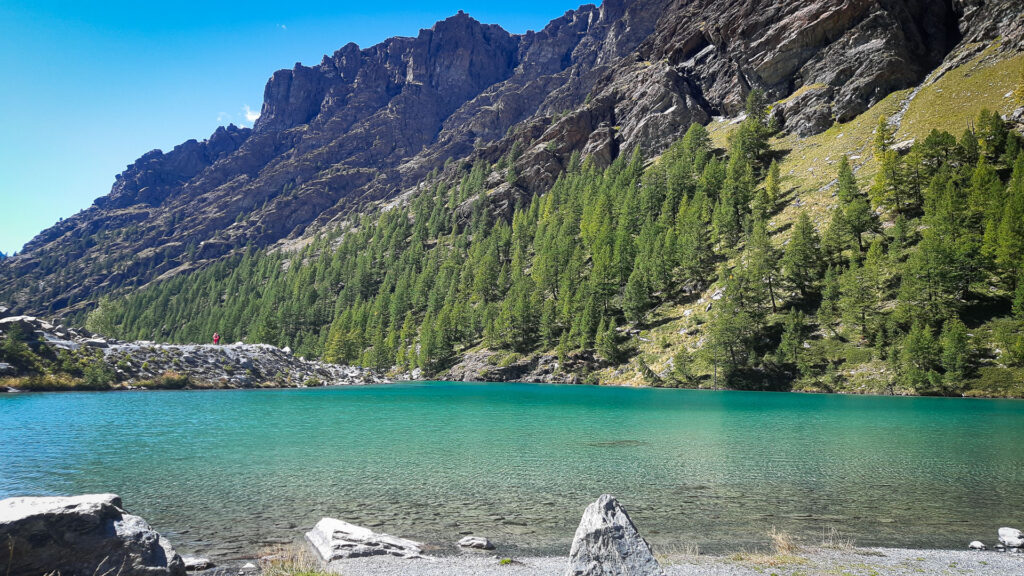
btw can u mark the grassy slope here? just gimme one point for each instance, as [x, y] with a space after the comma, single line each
[809, 170]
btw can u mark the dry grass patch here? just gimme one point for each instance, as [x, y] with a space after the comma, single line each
[289, 561]
[784, 552]
[832, 539]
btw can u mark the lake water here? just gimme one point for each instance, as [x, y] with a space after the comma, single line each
[230, 473]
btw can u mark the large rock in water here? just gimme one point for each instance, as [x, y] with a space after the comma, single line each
[335, 539]
[608, 544]
[1011, 538]
[81, 536]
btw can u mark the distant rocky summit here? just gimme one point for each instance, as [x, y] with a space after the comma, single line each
[50, 352]
[81, 536]
[367, 124]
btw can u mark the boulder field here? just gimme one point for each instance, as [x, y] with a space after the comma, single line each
[139, 363]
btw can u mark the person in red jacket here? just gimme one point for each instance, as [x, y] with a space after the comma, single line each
[216, 338]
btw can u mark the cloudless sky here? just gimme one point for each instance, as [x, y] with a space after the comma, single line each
[89, 86]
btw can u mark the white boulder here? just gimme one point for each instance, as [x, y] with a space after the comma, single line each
[1011, 537]
[476, 542]
[334, 539]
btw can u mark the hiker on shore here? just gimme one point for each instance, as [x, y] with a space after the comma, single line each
[216, 338]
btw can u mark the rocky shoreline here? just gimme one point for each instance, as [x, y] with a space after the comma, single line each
[151, 365]
[93, 534]
[118, 365]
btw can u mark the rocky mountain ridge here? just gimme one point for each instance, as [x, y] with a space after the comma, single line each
[368, 124]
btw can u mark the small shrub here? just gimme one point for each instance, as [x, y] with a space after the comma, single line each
[509, 359]
[98, 376]
[167, 381]
[782, 542]
[44, 383]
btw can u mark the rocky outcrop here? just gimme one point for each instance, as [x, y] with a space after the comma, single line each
[235, 365]
[608, 544]
[82, 536]
[334, 540]
[367, 124]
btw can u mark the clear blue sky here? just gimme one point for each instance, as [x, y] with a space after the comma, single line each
[89, 86]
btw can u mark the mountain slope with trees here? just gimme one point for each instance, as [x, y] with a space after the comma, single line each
[913, 281]
[854, 230]
[370, 124]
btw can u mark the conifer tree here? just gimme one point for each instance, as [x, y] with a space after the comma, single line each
[635, 299]
[955, 352]
[1010, 248]
[607, 345]
[761, 260]
[919, 356]
[792, 338]
[801, 264]
[829, 310]
[858, 218]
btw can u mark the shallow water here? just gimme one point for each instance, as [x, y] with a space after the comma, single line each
[232, 472]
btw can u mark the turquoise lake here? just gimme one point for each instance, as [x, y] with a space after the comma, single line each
[230, 473]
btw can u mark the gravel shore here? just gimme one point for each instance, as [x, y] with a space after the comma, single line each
[807, 562]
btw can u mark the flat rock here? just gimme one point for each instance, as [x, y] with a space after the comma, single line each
[607, 543]
[82, 536]
[334, 539]
[977, 545]
[196, 563]
[476, 542]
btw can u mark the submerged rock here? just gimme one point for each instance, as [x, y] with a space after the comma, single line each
[82, 536]
[334, 539]
[607, 543]
[476, 542]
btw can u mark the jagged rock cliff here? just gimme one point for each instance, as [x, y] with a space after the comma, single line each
[368, 124]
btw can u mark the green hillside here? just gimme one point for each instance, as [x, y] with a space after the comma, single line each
[735, 259]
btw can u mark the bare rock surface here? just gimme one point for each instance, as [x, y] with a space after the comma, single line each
[228, 366]
[82, 536]
[608, 544]
[335, 540]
